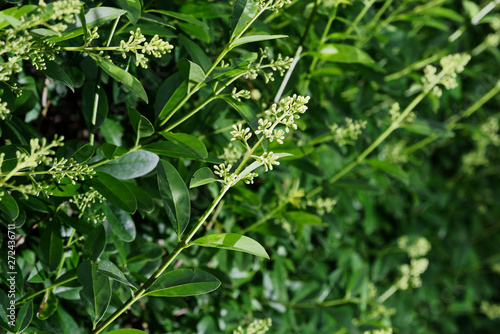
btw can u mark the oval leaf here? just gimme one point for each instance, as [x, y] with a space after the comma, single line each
[202, 176]
[95, 243]
[121, 75]
[114, 191]
[126, 331]
[183, 282]
[342, 53]
[120, 221]
[188, 143]
[255, 38]
[8, 205]
[51, 243]
[191, 72]
[48, 305]
[175, 196]
[96, 291]
[142, 126]
[109, 269]
[131, 165]
[232, 241]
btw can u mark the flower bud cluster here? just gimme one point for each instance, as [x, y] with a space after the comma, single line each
[224, 172]
[259, 326]
[323, 205]
[420, 247]
[70, 169]
[285, 113]
[492, 311]
[232, 153]
[410, 274]
[478, 157]
[85, 200]
[268, 159]
[395, 113]
[343, 135]
[280, 64]
[273, 5]
[3, 110]
[138, 45]
[379, 331]
[451, 65]
[237, 95]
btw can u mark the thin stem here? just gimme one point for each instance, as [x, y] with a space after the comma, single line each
[221, 56]
[34, 294]
[360, 16]
[387, 294]
[328, 303]
[266, 217]
[412, 67]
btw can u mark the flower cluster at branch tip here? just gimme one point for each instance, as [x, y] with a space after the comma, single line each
[259, 326]
[285, 112]
[410, 274]
[3, 110]
[70, 169]
[156, 47]
[420, 247]
[20, 45]
[492, 311]
[395, 113]
[493, 39]
[224, 172]
[232, 153]
[343, 135]
[280, 64]
[237, 95]
[395, 152]
[450, 65]
[84, 201]
[379, 331]
[273, 5]
[268, 159]
[323, 205]
[478, 157]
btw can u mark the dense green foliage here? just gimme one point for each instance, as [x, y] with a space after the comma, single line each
[133, 132]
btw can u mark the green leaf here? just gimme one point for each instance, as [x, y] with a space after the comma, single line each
[428, 127]
[48, 305]
[232, 241]
[302, 217]
[165, 101]
[243, 12]
[120, 221]
[95, 243]
[188, 143]
[16, 13]
[93, 18]
[175, 196]
[245, 111]
[389, 168]
[145, 253]
[126, 331]
[111, 151]
[195, 32]
[182, 283]
[131, 165]
[196, 52]
[56, 72]
[109, 269]
[96, 291]
[182, 17]
[51, 246]
[121, 75]
[114, 191]
[191, 72]
[24, 317]
[176, 97]
[202, 176]
[144, 200]
[255, 38]
[8, 204]
[169, 149]
[133, 8]
[142, 126]
[342, 53]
